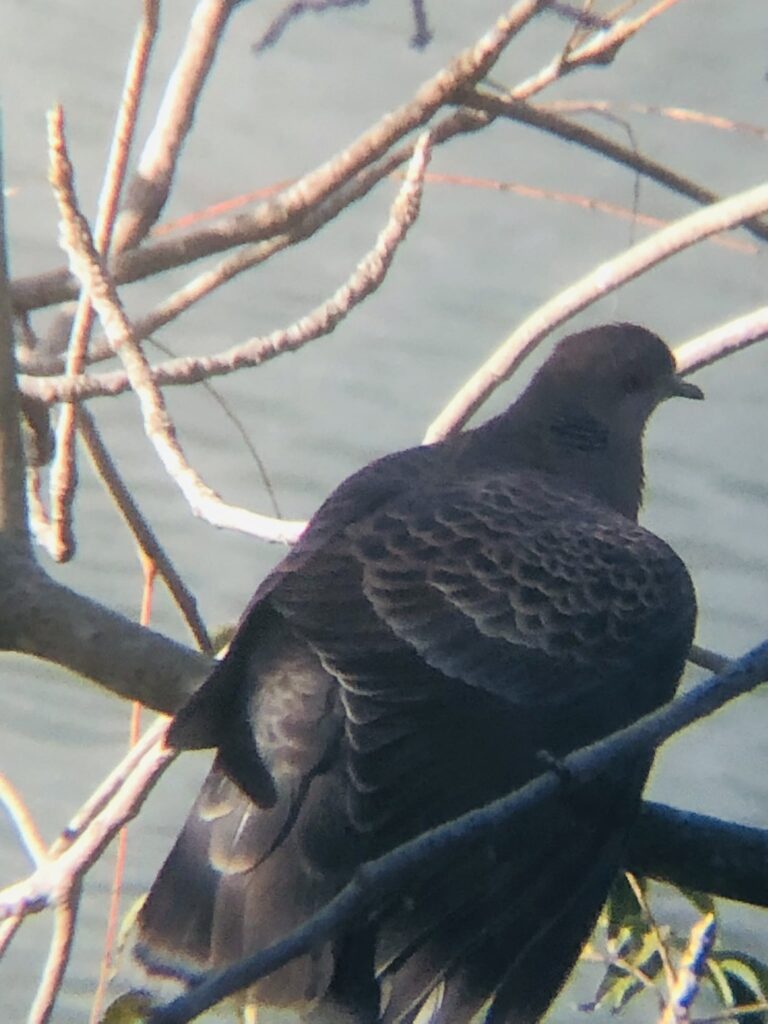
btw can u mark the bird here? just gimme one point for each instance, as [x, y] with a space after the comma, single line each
[455, 617]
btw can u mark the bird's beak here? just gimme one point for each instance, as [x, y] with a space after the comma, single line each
[684, 389]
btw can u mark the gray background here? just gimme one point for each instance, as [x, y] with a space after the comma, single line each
[475, 265]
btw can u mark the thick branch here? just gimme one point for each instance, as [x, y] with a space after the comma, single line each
[47, 620]
[696, 851]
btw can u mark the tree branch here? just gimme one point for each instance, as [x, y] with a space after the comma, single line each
[601, 281]
[13, 505]
[148, 191]
[549, 120]
[283, 213]
[47, 620]
[722, 340]
[696, 851]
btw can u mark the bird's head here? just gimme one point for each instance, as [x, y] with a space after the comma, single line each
[616, 374]
[584, 412]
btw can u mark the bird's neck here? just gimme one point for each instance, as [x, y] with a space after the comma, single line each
[590, 455]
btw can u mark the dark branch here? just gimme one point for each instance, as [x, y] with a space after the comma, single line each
[695, 851]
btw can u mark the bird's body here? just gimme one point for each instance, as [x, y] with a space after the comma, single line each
[451, 612]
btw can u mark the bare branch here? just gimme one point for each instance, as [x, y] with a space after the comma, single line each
[600, 48]
[54, 881]
[722, 341]
[355, 167]
[688, 980]
[149, 190]
[58, 878]
[291, 11]
[583, 202]
[13, 505]
[282, 213]
[64, 921]
[653, 928]
[142, 532]
[88, 266]
[607, 277]
[367, 276]
[710, 660]
[47, 620]
[8, 929]
[59, 872]
[548, 120]
[682, 114]
[63, 474]
[111, 786]
[24, 823]
[697, 851]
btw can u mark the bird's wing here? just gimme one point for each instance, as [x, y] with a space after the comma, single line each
[503, 582]
[481, 622]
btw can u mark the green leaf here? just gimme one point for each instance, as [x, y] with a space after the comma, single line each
[740, 979]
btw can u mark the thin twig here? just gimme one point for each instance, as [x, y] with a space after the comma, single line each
[8, 929]
[609, 959]
[110, 786]
[681, 114]
[149, 573]
[601, 281]
[688, 981]
[284, 212]
[64, 921]
[63, 472]
[722, 341]
[23, 821]
[89, 268]
[69, 860]
[575, 199]
[290, 12]
[13, 503]
[600, 48]
[708, 659]
[550, 121]
[650, 920]
[143, 533]
[149, 190]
